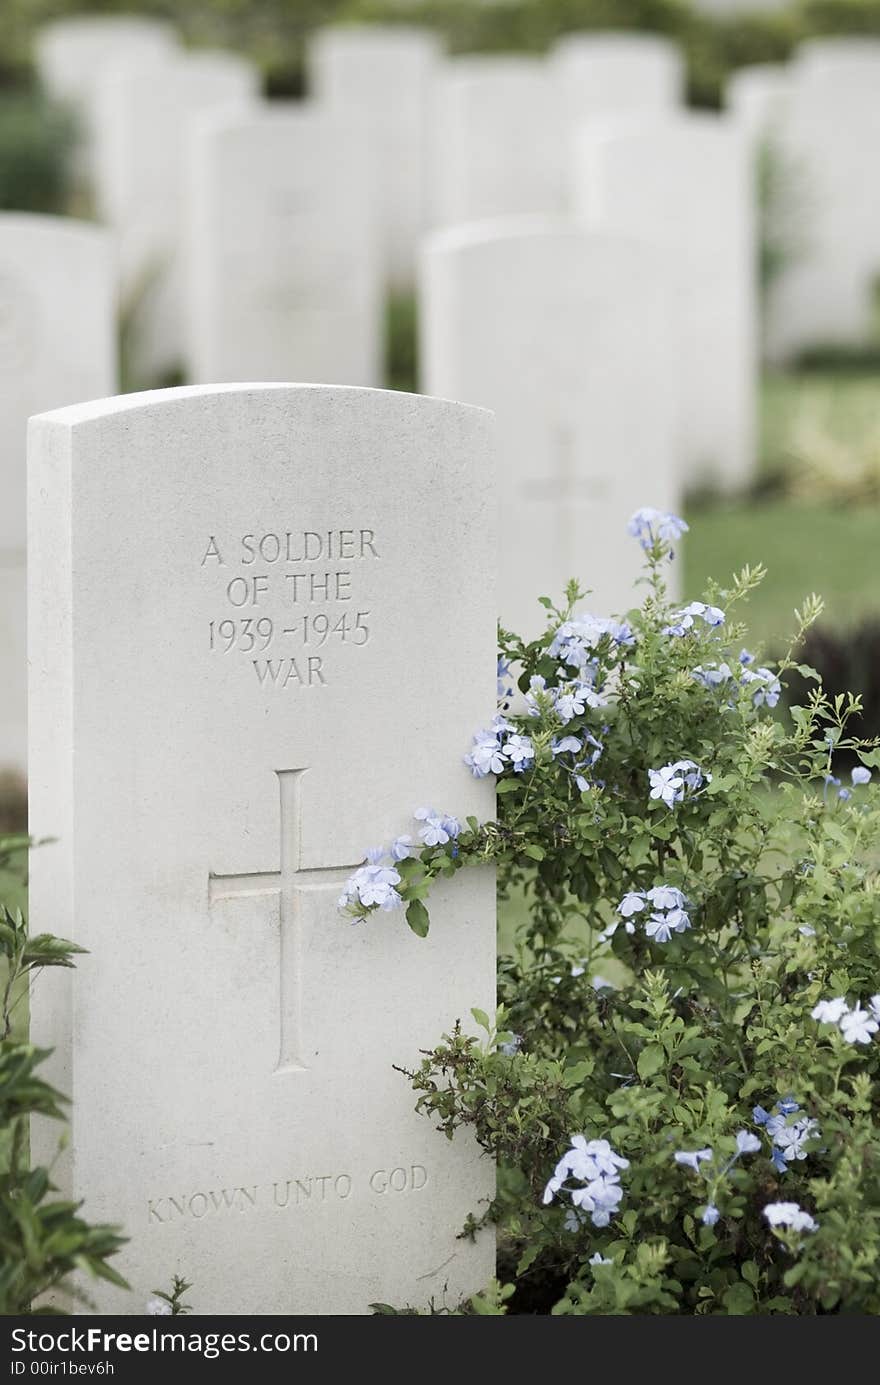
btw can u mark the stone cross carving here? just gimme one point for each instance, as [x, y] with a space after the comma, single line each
[292, 884]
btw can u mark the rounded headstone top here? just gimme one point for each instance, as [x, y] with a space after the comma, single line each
[396, 402]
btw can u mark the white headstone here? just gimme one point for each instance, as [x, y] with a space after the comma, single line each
[830, 137]
[282, 274]
[145, 116]
[243, 683]
[381, 78]
[72, 54]
[605, 74]
[565, 335]
[57, 345]
[685, 184]
[756, 97]
[498, 139]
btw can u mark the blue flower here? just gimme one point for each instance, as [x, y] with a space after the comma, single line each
[670, 781]
[692, 1158]
[746, 1142]
[576, 641]
[402, 847]
[651, 526]
[791, 1215]
[438, 829]
[659, 928]
[505, 689]
[597, 1167]
[512, 1046]
[683, 620]
[372, 885]
[666, 897]
[666, 784]
[713, 675]
[520, 751]
[566, 745]
[633, 902]
[860, 775]
[769, 688]
[710, 1215]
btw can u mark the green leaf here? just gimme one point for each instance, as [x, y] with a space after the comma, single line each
[535, 852]
[650, 1061]
[482, 1019]
[417, 918]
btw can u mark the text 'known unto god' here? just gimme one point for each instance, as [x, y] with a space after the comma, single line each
[310, 1190]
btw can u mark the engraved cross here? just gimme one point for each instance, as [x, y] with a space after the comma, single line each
[293, 885]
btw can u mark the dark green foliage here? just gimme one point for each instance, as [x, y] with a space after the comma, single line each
[846, 659]
[36, 143]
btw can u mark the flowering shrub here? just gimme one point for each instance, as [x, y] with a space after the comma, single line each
[680, 1083]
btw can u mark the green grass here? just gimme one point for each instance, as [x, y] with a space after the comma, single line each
[822, 430]
[806, 547]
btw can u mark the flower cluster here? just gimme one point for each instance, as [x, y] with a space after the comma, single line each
[498, 747]
[569, 700]
[746, 1143]
[672, 782]
[860, 775]
[766, 687]
[682, 622]
[789, 1214]
[576, 641]
[597, 1167]
[855, 1024]
[661, 909]
[374, 884]
[788, 1138]
[652, 526]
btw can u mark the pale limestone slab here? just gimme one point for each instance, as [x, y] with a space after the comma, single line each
[685, 184]
[71, 55]
[283, 277]
[606, 74]
[829, 137]
[567, 336]
[228, 1041]
[57, 346]
[381, 78]
[145, 114]
[756, 97]
[498, 139]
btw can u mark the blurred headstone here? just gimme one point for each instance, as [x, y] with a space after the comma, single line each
[603, 74]
[57, 346]
[499, 147]
[685, 184]
[144, 119]
[830, 137]
[755, 98]
[72, 54]
[381, 78]
[282, 274]
[566, 335]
